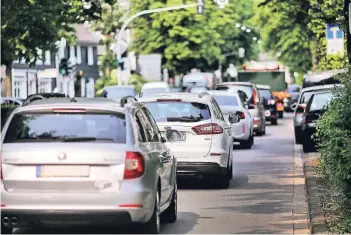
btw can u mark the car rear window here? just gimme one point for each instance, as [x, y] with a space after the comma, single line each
[320, 101]
[224, 100]
[265, 93]
[67, 127]
[169, 111]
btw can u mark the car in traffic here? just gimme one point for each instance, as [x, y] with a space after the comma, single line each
[230, 102]
[85, 160]
[299, 107]
[250, 96]
[294, 91]
[315, 107]
[201, 137]
[118, 91]
[269, 104]
[154, 87]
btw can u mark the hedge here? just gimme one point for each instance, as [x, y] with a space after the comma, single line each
[6, 110]
[334, 138]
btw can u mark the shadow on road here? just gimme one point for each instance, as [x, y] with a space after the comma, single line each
[186, 221]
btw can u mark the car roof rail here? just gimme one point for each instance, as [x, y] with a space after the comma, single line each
[202, 94]
[30, 99]
[42, 96]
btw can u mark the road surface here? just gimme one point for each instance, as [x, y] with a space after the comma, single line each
[259, 199]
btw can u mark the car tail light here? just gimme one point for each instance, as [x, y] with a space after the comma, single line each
[257, 121]
[241, 115]
[300, 109]
[134, 165]
[131, 206]
[208, 129]
[65, 110]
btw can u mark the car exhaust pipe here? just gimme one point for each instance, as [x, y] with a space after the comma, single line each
[14, 220]
[5, 220]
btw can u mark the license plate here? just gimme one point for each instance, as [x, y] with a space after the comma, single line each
[62, 171]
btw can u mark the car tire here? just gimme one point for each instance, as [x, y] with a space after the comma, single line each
[298, 137]
[308, 145]
[6, 230]
[274, 122]
[281, 114]
[170, 214]
[231, 172]
[154, 224]
[246, 144]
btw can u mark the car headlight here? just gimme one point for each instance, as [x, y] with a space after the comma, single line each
[272, 102]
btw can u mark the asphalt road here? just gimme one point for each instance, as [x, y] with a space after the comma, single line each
[259, 199]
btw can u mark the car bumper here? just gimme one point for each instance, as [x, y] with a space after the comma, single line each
[200, 169]
[67, 217]
[271, 114]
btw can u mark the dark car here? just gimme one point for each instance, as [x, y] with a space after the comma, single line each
[315, 107]
[269, 104]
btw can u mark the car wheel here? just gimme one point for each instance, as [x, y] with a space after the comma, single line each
[274, 122]
[252, 140]
[154, 224]
[246, 144]
[223, 180]
[5, 230]
[230, 172]
[297, 135]
[280, 114]
[170, 214]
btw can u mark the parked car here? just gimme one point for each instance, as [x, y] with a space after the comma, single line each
[315, 107]
[10, 101]
[117, 92]
[294, 91]
[154, 87]
[201, 137]
[269, 104]
[230, 102]
[250, 96]
[299, 107]
[85, 160]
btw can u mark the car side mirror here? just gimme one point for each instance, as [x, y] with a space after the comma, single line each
[293, 106]
[233, 118]
[127, 99]
[249, 106]
[174, 135]
[163, 139]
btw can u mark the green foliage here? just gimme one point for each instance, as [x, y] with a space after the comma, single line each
[103, 81]
[188, 40]
[334, 135]
[29, 25]
[138, 82]
[296, 29]
[6, 110]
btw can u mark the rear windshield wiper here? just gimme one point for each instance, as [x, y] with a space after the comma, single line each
[83, 139]
[182, 119]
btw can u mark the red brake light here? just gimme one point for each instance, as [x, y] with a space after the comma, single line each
[300, 109]
[208, 129]
[241, 115]
[134, 165]
[254, 94]
[169, 100]
[67, 110]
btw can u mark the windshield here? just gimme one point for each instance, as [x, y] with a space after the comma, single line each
[118, 92]
[53, 127]
[179, 111]
[154, 90]
[245, 92]
[265, 93]
[320, 101]
[226, 100]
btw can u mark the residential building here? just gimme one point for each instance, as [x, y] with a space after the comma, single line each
[44, 76]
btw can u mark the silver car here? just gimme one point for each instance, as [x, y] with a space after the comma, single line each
[299, 107]
[85, 161]
[201, 137]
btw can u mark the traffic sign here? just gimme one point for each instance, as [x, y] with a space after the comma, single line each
[335, 39]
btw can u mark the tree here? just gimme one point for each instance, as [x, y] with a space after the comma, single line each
[184, 38]
[28, 25]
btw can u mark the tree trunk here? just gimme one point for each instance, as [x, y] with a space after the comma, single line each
[8, 81]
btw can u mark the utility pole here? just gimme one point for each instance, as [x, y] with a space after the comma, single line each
[200, 5]
[347, 15]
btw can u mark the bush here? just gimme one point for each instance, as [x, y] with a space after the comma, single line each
[334, 137]
[6, 110]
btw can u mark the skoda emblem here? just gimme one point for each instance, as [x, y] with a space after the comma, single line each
[62, 156]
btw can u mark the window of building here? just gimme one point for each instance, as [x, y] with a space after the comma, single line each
[90, 56]
[84, 54]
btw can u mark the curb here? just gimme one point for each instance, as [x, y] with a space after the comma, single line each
[316, 218]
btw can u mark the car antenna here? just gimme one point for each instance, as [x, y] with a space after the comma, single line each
[73, 100]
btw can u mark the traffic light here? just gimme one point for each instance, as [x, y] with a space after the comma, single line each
[63, 67]
[200, 6]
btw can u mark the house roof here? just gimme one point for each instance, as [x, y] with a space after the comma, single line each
[85, 35]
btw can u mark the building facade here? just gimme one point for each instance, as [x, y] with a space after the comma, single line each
[45, 77]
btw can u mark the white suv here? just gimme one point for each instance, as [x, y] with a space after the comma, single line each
[196, 133]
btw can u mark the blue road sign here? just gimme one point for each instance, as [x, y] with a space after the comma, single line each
[334, 32]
